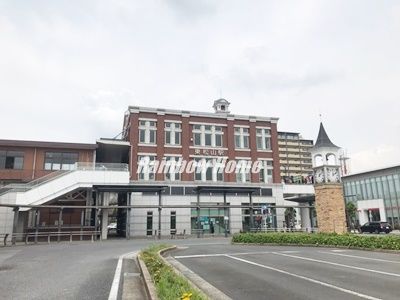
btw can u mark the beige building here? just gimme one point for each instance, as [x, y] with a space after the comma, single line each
[295, 157]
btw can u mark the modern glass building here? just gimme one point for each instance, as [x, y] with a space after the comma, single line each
[378, 184]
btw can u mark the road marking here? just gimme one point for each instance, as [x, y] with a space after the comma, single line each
[117, 277]
[306, 278]
[289, 251]
[201, 244]
[337, 264]
[362, 257]
[219, 254]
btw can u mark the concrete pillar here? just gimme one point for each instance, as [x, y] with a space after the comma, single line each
[198, 214]
[60, 221]
[15, 225]
[104, 217]
[251, 211]
[159, 214]
[128, 216]
[305, 218]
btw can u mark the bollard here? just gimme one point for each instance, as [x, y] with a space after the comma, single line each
[70, 237]
[92, 238]
[48, 239]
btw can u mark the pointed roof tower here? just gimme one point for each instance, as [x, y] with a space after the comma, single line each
[323, 139]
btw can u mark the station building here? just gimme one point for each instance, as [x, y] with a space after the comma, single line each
[65, 187]
[376, 194]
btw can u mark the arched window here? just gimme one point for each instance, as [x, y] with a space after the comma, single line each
[319, 161]
[331, 159]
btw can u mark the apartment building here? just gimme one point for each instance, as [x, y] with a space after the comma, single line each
[295, 158]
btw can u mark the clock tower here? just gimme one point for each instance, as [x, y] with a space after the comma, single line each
[329, 200]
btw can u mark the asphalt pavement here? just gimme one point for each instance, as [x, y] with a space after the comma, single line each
[78, 270]
[277, 272]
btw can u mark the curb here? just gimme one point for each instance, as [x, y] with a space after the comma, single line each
[195, 280]
[320, 246]
[148, 282]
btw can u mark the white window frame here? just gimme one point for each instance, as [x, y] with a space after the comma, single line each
[242, 136]
[146, 127]
[174, 128]
[173, 169]
[212, 131]
[264, 137]
[218, 168]
[267, 165]
[149, 174]
[243, 174]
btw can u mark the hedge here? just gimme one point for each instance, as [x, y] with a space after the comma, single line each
[327, 239]
[168, 284]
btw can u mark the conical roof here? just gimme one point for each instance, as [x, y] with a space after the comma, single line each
[323, 139]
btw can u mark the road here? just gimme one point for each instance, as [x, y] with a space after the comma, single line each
[78, 270]
[275, 272]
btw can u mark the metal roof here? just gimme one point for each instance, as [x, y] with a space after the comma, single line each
[323, 139]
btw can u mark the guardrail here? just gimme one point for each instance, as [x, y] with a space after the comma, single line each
[35, 237]
[282, 229]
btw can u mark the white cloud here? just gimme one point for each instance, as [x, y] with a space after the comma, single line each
[69, 71]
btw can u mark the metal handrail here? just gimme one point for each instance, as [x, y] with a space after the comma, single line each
[36, 235]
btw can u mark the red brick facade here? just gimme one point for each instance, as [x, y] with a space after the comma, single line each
[187, 148]
[34, 157]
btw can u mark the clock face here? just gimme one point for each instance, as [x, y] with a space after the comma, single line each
[319, 176]
[333, 175]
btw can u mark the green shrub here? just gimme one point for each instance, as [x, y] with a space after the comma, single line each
[168, 284]
[326, 239]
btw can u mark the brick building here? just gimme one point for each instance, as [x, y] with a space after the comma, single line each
[66, 186]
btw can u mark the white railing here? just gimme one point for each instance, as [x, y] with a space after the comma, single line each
[79, 166]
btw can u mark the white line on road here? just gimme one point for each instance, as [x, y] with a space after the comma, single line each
[337, 264]
[219, 254]
[362, 257]
[117, 276]
[306, 278]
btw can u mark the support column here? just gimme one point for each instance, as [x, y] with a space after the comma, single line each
[305, 219]
[251, 211]
[226, 218]
[159, 214]
[128, 217]
[37, 222]
[104, 217]
[60, 220]
[15, 225]
[82, 222]
[198, 214]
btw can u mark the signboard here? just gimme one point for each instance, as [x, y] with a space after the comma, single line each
[211, 152]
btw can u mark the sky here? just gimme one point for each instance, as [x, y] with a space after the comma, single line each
[70, 69]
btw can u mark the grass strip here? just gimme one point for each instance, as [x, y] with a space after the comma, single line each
[169, 285]
[389, 242]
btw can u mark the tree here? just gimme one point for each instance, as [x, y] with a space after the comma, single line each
[290, 216]
[351, 213]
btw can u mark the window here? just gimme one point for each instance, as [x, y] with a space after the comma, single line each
[243, 168]
[209, 170]
[266, 171]
[173, 133]
[263, 139]
[11, 160]
[173, 221]
[207, 135]
[147, 132]
[60, 160]
[146, 166]
[241, 138]
[149, 223]
[172, 167]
